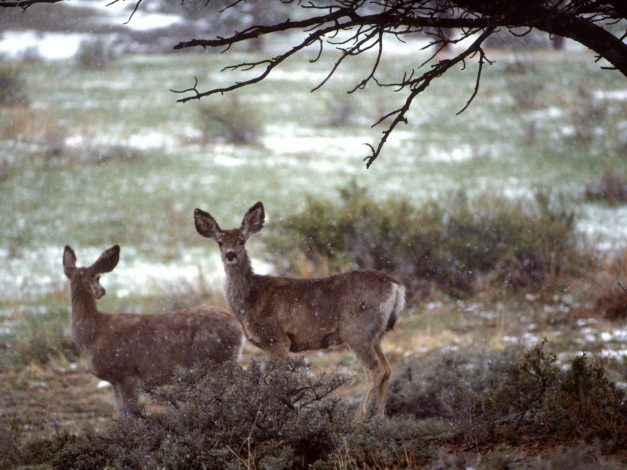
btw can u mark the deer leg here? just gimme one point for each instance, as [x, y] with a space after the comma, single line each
[375, 372]
[384, 384]
[278, 348]
[125, 396]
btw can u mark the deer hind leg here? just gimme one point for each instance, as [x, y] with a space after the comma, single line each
[125, 395]
[376, 374]
[384, 384]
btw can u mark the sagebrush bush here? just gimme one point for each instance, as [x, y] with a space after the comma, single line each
[269, 415]
[282, 416]
[231, 122]
[454, 243]
[588, 114]
[94, 54]
[523, 84]
[515, 396]
[12, 90]
[610, 288]
[611, 188]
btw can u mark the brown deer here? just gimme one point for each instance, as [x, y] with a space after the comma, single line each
[282, 314]
[126, 349]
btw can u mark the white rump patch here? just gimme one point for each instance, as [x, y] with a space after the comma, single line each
[395, 302]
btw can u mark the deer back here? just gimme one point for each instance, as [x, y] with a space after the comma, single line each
[322, 312]
[152, 346]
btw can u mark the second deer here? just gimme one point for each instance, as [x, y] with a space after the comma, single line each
[282, 314]
[126, 349]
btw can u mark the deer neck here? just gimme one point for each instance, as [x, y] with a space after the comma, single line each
[85, 314]
[239, 281]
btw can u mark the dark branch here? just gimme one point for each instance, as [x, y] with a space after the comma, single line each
[24, 4]
[420, 84]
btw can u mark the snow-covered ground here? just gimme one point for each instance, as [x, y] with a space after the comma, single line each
[58, 46]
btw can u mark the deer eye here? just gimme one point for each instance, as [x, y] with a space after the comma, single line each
[220, 243]
[241, 242]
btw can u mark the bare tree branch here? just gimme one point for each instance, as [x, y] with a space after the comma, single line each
[420, 84]
[24, 4]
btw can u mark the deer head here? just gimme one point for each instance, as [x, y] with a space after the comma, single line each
[90, 276]
[231, 242]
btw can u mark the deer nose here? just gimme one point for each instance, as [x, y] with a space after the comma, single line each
[230, 256]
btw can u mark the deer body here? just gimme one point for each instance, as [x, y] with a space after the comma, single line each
[282, 314]
[126, 349]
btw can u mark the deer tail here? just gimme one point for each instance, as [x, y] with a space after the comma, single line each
[397, 305]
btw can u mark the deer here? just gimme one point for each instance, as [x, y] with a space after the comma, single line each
[284, 314]
[128, 349]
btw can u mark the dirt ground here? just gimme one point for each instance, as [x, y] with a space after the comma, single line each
[41, 402]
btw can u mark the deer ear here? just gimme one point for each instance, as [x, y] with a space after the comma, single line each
[107, 261]
[69, 261]
[253, 220]
[206, 225]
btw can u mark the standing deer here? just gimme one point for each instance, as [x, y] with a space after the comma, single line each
[282, 314]
[126, 349]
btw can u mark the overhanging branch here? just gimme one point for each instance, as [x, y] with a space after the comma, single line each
[24, 4]
[420, 84]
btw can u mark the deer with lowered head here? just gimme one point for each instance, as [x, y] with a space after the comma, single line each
[283, 314]
[126, 349]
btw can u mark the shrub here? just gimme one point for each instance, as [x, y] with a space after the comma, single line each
[269, 416]
[12, 91]
[611, 188]
[453, 243]
[233, 122]
[523, 84]
[272, 415]
[528, 397]
[5, 172]
[588, 406]
[588, 115]
[103, 154]
[612, 303]
[94, 54]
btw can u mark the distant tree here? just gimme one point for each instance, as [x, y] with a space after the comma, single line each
[600, 25]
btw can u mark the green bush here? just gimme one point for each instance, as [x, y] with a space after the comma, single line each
[513, 397]
[232, 122]
[94, 54]
[281, 416]
[269, 416]
[12, 92]
[453, 243]
[523, 84]
[610, 188]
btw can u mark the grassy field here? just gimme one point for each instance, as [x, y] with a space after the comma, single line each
[106, 156]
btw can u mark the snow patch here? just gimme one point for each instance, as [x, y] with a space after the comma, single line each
[51, 46]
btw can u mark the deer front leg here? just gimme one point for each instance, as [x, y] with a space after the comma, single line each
[278, 348]
[125, 396]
